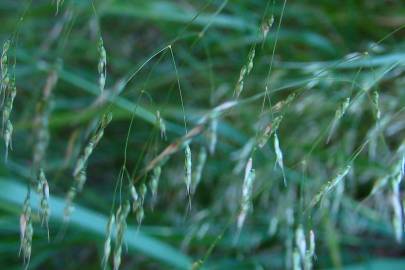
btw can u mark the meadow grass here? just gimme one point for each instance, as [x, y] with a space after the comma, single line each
[202, 135]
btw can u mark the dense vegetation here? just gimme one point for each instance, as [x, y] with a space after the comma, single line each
[202, 134]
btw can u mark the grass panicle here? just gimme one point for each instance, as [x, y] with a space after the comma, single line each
[245, 70]
[247, 190]
[269, 130]
[26, 231]
[327, 187]
[121, 218]
[340, 112]
[5, 76]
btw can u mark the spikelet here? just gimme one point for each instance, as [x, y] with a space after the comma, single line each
[135, 198]
[71, 195]
[266, 25]
[310, 254]
[212, 134]
[247, 189]
[154, 181]
[197, 173]
[300, 242]
[5, 77]
[107, 242]
[8, 133]
[245, 70]
[268, 131]
[102, 65]
[143, 189]
[376, 103]
[121, 217]
[279, 155]
[283, 103]
[10, 94]
[41, 120]
[187, 168]
[161, 124]
[59, 3]
[26, 231]
[338, 115]
[94, 140]
[43, 190]
[330, 185]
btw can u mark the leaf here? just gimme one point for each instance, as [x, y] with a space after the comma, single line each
[93, 222]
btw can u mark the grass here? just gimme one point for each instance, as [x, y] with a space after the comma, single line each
[229, 145]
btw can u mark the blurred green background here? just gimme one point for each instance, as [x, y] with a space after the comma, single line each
[317, 52]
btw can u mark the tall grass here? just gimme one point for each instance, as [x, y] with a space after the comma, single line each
[202, 135]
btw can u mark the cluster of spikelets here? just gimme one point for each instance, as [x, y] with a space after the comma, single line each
[80, 169]
[301, 246]
[8, 92]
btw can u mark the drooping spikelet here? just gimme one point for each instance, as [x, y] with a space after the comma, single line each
[197, 173]
[245, 70]
[310, 253]
[338, 115]
[266, 25]
[59, 3]
[376, 103]
[102, 64]
[268, 131]
[161, 124]
[94, 140]
[10, 94]
[279, 155]
[300, 242]
[121, 217]
[154, 180]
[5, 77]
[330, 185]
[79, 172]
[247, 189]
[26, 231]
[41, 120]
[8, 134]
[187, 168]
[43, 190]
[107, 242]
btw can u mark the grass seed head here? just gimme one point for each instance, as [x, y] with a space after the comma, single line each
[102, 64]
[247, 189]
[279, 155]
[161, 124]
[107, 242]
[187, 168]
[154, 181]
[330, 185]
[8, 133]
